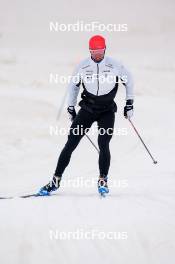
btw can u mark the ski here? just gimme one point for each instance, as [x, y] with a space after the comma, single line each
[24, 196]
[31, 195]
[102, 192]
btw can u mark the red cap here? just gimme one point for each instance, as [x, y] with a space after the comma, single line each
[97, 42]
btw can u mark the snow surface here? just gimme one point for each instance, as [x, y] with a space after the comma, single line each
[142, 204]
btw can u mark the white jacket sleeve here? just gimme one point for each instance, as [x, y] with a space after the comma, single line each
[127, 81]
[74, 87]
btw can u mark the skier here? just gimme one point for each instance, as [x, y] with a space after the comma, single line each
[99, 75]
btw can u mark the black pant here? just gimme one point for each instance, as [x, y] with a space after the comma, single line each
[84, 120]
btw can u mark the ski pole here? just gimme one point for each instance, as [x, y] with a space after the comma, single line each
[61, 106]
[92, 143]
[154, 161]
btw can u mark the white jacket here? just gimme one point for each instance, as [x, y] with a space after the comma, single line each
[99, 78]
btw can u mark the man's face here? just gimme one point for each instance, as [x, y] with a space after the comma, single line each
[97, 54]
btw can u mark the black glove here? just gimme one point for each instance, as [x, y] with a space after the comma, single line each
[128, 109]
[72, 112]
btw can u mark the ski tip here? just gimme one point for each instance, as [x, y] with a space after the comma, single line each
[6, 198]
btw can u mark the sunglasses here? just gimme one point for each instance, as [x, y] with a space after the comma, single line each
[97, 51]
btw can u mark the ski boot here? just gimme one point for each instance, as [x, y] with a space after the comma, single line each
[102, 185]
[53, 185]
